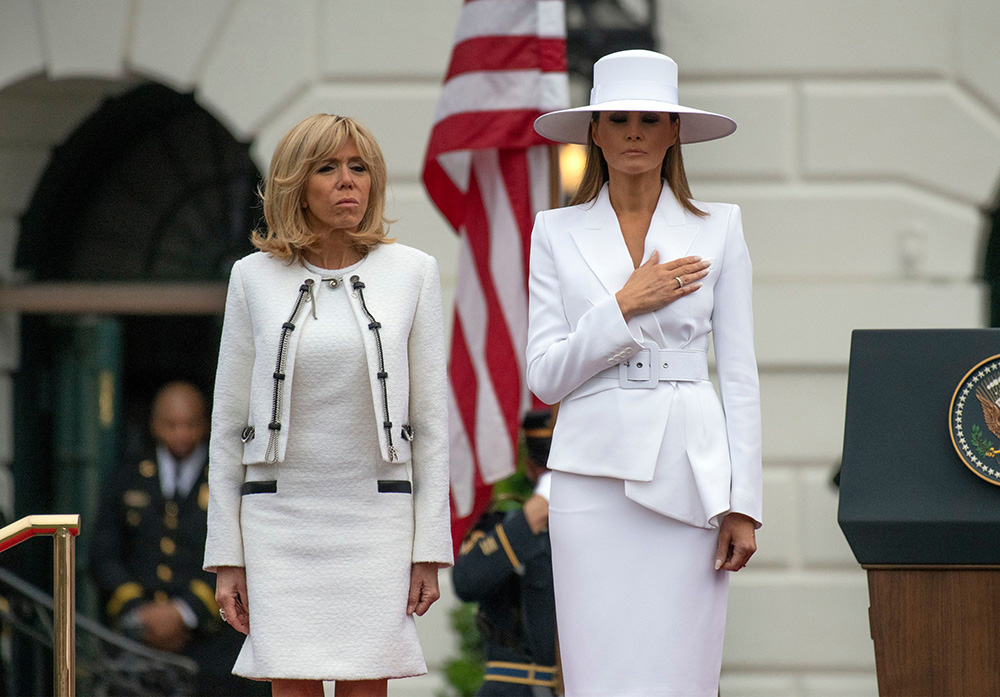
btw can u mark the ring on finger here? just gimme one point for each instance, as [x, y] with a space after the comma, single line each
[222, 614]
[680, 283]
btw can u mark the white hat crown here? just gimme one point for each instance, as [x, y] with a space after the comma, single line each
[635, 74]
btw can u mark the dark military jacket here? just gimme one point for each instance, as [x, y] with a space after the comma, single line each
[147, 548]
[507, 569]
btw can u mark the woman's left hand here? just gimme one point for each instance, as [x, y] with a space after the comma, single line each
[736, 542]
[423, 588]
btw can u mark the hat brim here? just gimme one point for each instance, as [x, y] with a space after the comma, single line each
[573, 125]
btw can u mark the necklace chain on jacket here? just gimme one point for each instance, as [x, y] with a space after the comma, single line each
[271, 455]
[374, 325]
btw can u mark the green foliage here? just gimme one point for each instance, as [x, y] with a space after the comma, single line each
[465, 673]
[980, 442]
[512, 492]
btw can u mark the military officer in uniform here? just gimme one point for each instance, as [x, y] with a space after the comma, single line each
[505, 565]
[148, 542]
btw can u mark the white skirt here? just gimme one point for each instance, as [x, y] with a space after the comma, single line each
[641, 609]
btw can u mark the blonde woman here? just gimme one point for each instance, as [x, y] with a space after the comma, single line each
[328, 515]
[656, 489]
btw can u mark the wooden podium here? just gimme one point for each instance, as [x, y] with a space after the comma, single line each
[920, 521]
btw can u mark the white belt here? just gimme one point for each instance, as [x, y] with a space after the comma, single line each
[641, 372]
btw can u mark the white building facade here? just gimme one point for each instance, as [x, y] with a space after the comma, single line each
[868, 149]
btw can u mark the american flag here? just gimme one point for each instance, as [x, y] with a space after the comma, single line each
[488, 172]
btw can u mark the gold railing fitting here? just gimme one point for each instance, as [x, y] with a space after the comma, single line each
[64, 529]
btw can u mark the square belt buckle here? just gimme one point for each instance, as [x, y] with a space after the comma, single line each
[641, 371]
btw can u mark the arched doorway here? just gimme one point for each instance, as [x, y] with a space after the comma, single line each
[150, 189]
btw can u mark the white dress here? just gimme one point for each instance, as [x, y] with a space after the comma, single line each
[328, 556]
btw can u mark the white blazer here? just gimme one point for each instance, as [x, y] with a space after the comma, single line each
[679, 451]
[402, 293]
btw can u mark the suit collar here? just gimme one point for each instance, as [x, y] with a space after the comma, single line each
[671, 231]
[669, 209]
[601, 243]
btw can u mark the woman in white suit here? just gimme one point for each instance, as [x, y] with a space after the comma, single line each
[328, 463]
[656, 491]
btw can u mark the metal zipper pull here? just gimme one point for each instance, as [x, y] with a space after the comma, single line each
[312, 295]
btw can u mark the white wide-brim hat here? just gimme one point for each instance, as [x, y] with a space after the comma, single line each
[635, 80]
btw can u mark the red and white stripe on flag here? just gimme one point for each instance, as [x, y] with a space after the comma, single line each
[488, 172]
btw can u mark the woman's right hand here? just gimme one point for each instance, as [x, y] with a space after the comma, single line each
[654, 285]
[231, 595]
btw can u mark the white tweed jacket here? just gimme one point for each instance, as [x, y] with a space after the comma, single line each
[396, 298]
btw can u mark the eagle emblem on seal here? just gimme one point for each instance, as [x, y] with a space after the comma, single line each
[975, 420]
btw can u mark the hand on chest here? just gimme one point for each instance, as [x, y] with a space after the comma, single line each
[601, 260]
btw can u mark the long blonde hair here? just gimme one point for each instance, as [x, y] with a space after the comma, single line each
[295, 159]
[595, 172]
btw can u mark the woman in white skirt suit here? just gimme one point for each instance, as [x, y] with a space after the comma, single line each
[657, 486]
[328, 511]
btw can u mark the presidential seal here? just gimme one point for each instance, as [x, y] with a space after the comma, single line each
[975, 420]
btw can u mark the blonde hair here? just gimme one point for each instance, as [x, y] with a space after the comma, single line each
[595, 173]
[295, 159]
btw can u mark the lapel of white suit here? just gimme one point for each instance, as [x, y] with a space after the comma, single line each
[671, 231]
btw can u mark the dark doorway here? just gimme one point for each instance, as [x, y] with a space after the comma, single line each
[150, 187]
[159, 350]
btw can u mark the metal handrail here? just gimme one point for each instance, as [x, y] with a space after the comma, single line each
[117, 665]
[64, 529]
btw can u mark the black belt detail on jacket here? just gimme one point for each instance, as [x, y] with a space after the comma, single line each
[394, 486]
[271, 455]
[374, 325]
[269, 486]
